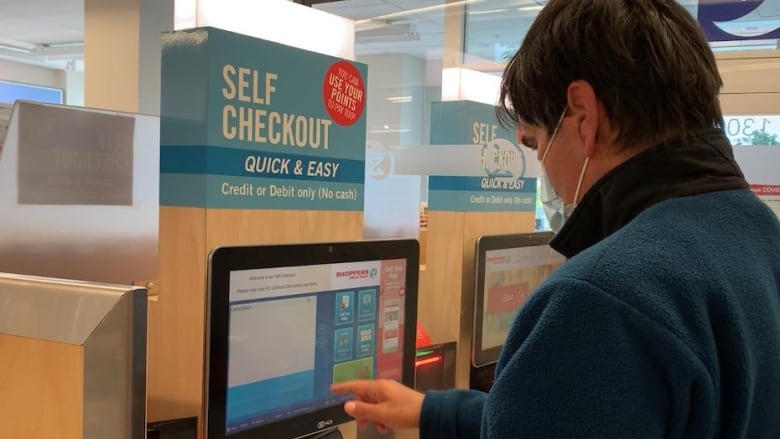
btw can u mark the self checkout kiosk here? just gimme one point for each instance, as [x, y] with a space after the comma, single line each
[508, 269]
[284, 322]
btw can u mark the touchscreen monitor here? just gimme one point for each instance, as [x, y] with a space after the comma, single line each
[287, 321]
[508, 269]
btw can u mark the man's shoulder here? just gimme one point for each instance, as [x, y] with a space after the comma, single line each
[674, 255]
[681, 228]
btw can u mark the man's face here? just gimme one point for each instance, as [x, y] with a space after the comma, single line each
[563, 161]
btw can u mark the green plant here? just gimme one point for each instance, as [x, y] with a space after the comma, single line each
[761, 138]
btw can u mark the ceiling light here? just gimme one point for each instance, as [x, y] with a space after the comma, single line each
[399, 99]
[536, 8]
[17, 46]
[365, 25]
[393, 32]
[64, 45]
[280, 21]
[486, 11]
[402, 130]
[14, 48]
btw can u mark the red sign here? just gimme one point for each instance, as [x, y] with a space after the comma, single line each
[506, 298]
[390, 345]
[765, 189]
[423, 339]
[344, 93]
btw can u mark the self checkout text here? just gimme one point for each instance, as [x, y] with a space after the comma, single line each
[248, 114]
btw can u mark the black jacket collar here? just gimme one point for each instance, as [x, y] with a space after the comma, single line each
[669, 170]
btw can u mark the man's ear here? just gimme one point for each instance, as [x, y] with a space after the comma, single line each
[584, 108]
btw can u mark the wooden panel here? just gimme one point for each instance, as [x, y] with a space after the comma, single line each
[446, 303]
[751, 103]
[440, 282]
[41, 389]
[176, 319]
[242, 227]
[750, 73]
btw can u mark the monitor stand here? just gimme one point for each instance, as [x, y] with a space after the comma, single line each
[481, 378]
[333, 433]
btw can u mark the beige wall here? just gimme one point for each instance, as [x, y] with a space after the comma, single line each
[71, 82]
[751, 82]
[31, 74]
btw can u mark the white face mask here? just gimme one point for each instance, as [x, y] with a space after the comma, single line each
[557, 213]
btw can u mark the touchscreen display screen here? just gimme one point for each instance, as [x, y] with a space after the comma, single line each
[294, 331]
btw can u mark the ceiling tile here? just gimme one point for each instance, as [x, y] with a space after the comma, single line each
[68, 19]
[52, 35]
[27, 8]
[11, 26]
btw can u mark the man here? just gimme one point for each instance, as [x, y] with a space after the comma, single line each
[665, 320]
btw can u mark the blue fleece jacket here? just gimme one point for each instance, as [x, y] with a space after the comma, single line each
[668, 328]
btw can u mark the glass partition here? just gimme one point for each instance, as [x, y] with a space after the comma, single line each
[423, 51]
[495, 28]
[756, 130]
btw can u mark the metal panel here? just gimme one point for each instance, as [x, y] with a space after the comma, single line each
[110, 322]
[67, 210]
[115, 372]
[52, 309]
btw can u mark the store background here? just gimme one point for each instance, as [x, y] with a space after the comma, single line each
[418, 52]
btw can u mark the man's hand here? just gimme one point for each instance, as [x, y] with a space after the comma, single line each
[386, 403]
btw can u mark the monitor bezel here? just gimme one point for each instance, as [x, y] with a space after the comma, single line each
[484, 357]
[223, 260]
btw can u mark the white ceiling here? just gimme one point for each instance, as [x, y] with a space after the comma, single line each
[33, 25]
[42, 21]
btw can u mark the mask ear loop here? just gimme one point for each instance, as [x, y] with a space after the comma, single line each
[582, 175]
[555, 133]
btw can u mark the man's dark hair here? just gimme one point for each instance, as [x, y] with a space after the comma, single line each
[647, 61]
